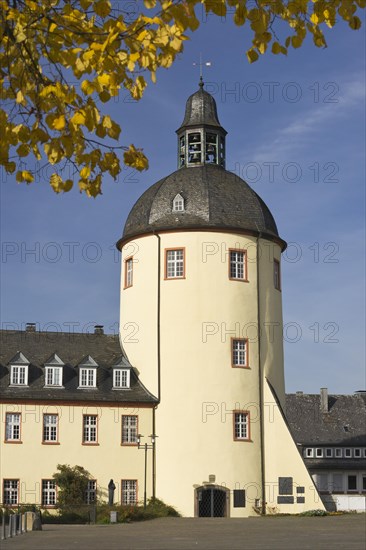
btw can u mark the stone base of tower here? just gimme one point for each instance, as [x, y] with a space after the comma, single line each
[289, 486]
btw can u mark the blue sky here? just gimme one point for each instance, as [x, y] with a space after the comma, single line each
[296, 134]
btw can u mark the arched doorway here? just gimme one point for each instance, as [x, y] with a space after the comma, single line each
[212, 501]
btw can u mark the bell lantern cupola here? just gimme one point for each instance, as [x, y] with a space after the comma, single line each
[201, 138]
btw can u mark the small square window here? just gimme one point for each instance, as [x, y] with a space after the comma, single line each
[90, 428]
[239, 352]
[238, 265]
[53, 376]
[10, 491]
[276, 275]
[352, 483]
[174, 264]
[319, 453]
[121, 378]
[19, 375]
[128, 272]
[129, 491]
[48, 492]
[338, 453]
[348, 453]
[329, 453]
[50, 428]
[129, 429]
[12, 427]
[309, 453]
[357, 453]
[241, 426]
[87, 377]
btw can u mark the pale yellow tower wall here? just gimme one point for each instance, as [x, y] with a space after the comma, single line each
[199, 388]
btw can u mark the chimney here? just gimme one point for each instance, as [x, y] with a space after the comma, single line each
[30, 327]
[324, 400]
[98, 329]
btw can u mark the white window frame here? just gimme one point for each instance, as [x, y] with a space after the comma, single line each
[11, 492]
[129, 272]
[50, 428]
[130, 429]
[241, 425]
[309, 452]
[358, 450]
[129, 492]
[239, 352]
[276, 274]
[49, 492]
[178, 203]
[175, 263]
[53, 376]
[328, 453]
[19, 375]
[90, 428]
[87, 377]
[338, 453]
[121, 378]
[319, 452]
[347, 453]
[91, 492]
[12, 426]
[237, 265]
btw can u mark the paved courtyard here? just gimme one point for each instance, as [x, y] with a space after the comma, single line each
[269, 533]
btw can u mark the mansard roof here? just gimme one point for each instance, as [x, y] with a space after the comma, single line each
[72, 349]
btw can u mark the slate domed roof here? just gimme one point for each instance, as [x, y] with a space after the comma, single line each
[214, 199]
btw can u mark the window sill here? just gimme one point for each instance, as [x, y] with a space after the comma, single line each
[91, 444]
[50, 443]
[244, 440]
[241, 367]
[174, 278]
[239, 280]
[13, 442]
[129, 444]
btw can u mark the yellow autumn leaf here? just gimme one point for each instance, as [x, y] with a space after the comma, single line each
[24, 175]
[102, 8]
[85, 172]
[78, 118]
[135, 158]
[355, 23]
[276, 48]
[87, 87]
[59, 123]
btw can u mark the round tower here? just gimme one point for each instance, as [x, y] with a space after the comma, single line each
[201, 288]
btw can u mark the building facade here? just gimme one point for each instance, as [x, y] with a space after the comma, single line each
[331, 436]
[70, 399]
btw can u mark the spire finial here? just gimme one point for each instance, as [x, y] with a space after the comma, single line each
[201, 64]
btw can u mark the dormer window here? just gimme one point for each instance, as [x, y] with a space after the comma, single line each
[88, 373]
[121, 378]
[53, 371]
[178, 203]
[19, 366]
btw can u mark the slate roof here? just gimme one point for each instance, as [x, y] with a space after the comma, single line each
[213, 198]
[201, 110]
[72, 349]
[344, 425]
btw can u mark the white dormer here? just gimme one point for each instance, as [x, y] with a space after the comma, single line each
[19, 366]
[53, 370]
[121, 374]
[88, 373]
[178, 203]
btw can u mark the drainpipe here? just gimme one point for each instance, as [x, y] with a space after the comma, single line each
[261, 409]
[158, 313]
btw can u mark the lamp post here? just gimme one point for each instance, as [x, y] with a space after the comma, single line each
[145, 447]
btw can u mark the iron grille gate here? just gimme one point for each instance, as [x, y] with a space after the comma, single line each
[211, 503]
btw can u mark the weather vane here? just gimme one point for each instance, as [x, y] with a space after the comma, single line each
[201, 64]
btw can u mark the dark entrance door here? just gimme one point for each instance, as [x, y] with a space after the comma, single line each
[211, 503]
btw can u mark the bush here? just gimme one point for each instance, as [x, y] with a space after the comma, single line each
[155, 509]
[312, 513]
